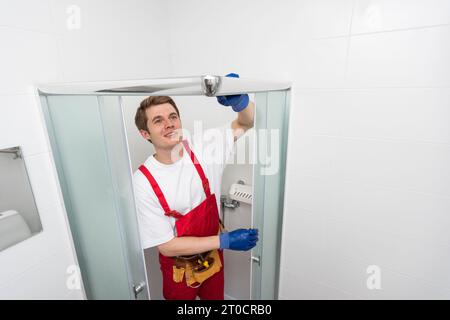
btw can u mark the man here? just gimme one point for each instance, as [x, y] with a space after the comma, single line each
[176, 198]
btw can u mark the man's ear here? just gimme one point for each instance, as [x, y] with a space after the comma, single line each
[145, 134]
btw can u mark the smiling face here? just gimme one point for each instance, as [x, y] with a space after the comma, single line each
[164, 126]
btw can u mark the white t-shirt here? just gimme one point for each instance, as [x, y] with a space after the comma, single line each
[181, 184]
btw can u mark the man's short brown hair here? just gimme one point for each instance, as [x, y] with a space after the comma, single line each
[141, 117]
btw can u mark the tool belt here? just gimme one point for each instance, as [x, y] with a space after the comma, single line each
[196, 268]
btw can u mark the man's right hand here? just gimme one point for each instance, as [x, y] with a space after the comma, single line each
[240, 239]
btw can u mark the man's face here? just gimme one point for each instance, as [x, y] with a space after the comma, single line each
[164, 126]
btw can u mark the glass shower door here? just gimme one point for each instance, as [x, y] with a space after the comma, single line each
[271, 131]
[91, 155]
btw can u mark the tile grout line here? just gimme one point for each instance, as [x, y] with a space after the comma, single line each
[358, 34]
[377, 185]
[5, 26]
[58, 40]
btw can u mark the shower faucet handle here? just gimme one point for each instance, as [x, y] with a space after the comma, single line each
[138, 288]
[229, 203]
[210, 85]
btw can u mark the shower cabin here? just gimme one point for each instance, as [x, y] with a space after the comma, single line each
[91, 135]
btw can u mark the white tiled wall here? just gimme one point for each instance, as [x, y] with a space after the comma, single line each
[368, 182]
[117, 40]
[368, 174]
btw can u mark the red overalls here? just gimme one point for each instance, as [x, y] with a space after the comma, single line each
[202, 221]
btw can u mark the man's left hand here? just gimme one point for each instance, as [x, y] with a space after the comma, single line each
[238, 102]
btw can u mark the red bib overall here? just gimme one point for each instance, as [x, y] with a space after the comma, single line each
[202, 221]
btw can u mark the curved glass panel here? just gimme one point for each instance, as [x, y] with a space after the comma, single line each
[271, 125]
[93, 168]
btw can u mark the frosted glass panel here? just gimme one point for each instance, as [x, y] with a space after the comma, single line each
[271, 125]
[117, 149]
[84, 144]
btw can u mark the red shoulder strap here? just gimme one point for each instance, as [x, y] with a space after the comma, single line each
[199, 168]
[159, 194]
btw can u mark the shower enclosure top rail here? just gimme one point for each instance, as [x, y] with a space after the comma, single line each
[208, 85]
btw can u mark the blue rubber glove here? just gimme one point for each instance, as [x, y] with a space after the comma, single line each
[238, 102]
[240, 239]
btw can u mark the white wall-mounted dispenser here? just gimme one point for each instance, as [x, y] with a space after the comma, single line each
[241, 192]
